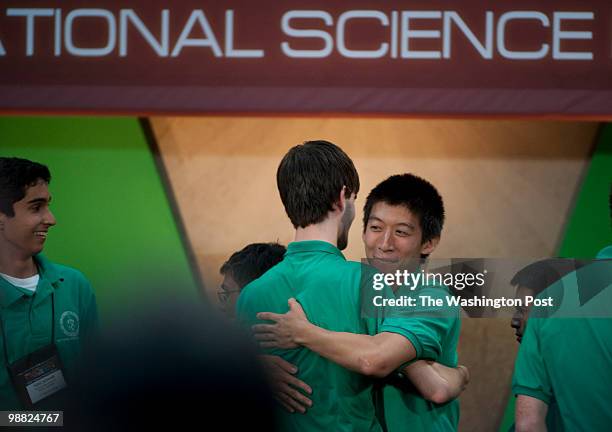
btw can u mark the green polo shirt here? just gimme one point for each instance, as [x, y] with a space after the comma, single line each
[567, 361]
[27, 317]
[328, 288]
[434, 333]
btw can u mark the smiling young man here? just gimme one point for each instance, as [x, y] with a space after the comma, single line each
[48, 311]
[403, 219]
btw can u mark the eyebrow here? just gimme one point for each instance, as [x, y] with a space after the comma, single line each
[407, 225]
[39, 200]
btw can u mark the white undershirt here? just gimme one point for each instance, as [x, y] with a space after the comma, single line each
[28, 283]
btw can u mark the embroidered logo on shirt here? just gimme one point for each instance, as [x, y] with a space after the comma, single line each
[69, 322]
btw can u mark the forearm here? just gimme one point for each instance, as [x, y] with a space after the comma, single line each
[375, 355]
[426, 380]
[437, 383]
[530, 414]
[456, 379]
[349, 350]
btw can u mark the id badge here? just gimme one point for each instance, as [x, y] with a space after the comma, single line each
[38, 375]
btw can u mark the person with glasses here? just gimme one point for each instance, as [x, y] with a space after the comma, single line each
[243, 267]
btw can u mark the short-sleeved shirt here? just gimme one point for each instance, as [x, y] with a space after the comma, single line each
[27, 320]
[328, 288]
[434, 333]
[566, 360]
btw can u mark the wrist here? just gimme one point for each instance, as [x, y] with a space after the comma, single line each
[304, 335]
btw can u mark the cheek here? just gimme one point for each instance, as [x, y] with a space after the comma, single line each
[14, 230]
[409, 246]
[369, 241]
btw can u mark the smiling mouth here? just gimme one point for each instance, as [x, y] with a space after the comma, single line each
[41, 234]
[391, 260]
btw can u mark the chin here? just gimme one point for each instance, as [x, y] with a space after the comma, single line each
[36, 251]
[383, 265]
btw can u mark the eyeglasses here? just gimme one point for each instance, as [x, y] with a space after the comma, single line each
[224, 295]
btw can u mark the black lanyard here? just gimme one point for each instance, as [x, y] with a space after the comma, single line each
[4, 340]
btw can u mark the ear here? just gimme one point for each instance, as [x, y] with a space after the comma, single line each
[341, 202]
[429, 246]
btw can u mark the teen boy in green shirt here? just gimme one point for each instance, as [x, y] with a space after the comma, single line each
[564, 359]
[547, 370]
[318, 185]
[47, 311]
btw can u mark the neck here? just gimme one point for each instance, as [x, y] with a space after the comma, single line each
[326, 231]
[15, 265]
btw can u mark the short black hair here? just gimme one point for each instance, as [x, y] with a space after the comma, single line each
[309, 179]
[417, 195]
[16, 175]
[252, 261]
[541, 274]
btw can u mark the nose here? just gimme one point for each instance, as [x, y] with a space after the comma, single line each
[386, 242]
[50, 218]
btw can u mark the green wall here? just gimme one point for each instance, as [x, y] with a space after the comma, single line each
[115, 223]
[589, 229]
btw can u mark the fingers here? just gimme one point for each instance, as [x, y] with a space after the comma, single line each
[268, 316]
[285, 365]
[264, 336]
[292, 398]
[296, 383]
[299, 399]
[283, 375]
[263, 328]
[268, 344]
[284, 404]
[291, 404]
[295, 306]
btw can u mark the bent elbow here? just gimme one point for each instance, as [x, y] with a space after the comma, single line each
[374, 366]
[438, 396]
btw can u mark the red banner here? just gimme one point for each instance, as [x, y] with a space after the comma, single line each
[395, 57]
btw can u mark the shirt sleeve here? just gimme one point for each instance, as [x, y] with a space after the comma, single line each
[530, 374]
[426, 327]
[90, 325]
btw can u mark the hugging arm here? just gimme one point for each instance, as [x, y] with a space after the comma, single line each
[377, 355]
